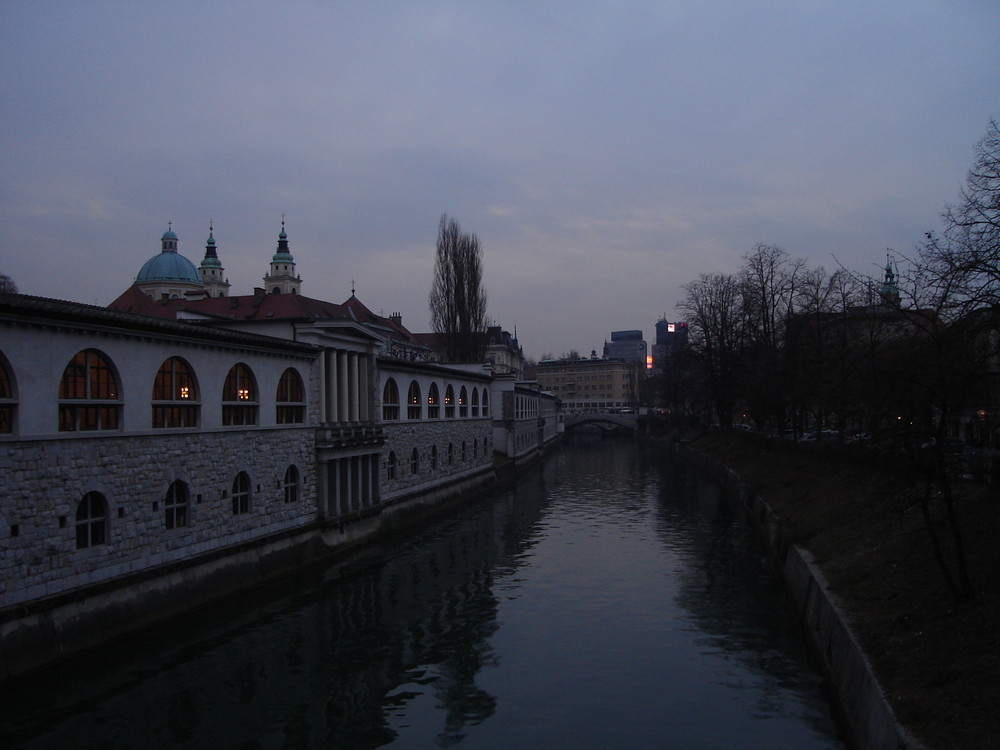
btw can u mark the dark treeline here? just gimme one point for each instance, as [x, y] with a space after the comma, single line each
[907, 362]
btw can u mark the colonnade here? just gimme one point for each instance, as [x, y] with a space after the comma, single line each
[351, 483]
[346, 386]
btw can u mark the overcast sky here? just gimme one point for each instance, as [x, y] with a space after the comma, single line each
[604, 153]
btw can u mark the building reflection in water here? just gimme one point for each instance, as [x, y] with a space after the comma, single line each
[325, 660]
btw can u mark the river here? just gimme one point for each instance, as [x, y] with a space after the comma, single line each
[609, 600]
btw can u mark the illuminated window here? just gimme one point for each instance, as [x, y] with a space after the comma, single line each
[413, 405]
[449, 402]
[433, 402]
[290, 403]
[175, 398]
[390, 400]
[241, 494]
[175, 505]
[239, 397]
[91, 521]
[88, 394]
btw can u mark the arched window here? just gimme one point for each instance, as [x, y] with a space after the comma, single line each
[413, 404]
[390, 401]
[88, 394]
[239, 397]
[486, 403]
[7, 402]
[463, 452]
[463, 402]
[475, 449]
[175, 398]
[475, 402]
[434, 457]
[433, 402]
[451, 453]
[291, 484]
[486, 447]
[290, 402]
[415, 462]
[241, 494]
[91, 521]
[175, 505]
[449, 402]
[390, 466]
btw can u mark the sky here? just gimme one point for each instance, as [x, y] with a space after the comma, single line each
[605, 154]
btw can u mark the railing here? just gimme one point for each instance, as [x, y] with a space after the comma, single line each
[350, 436]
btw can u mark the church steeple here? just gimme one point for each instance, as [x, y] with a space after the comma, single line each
[282, 278]
[212, 272]
[890, 290]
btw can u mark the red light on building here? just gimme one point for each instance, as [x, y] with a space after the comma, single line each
[649, 361]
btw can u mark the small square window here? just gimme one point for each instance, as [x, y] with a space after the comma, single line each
[156, 505]
[62, 522]
[15, 529]
[121, 513]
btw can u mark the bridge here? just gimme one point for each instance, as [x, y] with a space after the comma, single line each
[607, 422]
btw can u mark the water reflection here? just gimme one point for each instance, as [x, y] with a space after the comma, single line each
[609, 600]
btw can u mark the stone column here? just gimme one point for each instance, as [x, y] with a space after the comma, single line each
[355, 391]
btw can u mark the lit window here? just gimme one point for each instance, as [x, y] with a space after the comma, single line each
[390, 400]
[449, 402]
[239, 397]
[433, 402]
[290, 406]
[91, 521]
[174, 395]
[413, 404]
[88, 394]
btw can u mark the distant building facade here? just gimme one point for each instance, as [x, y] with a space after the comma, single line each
[591, 385]
[671, 339]
[626, 345]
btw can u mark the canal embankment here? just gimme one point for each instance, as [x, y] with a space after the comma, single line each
[909, 666]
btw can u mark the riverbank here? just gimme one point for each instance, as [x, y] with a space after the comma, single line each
[937, 660]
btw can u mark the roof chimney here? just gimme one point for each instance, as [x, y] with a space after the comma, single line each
[396, 318]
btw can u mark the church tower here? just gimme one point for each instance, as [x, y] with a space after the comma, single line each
[212, 272]
[282, 278]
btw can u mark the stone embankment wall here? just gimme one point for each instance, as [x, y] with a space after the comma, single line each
[858, 695]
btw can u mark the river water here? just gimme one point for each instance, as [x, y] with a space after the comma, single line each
[609, 600]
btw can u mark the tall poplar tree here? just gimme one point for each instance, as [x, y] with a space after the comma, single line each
[457, 299]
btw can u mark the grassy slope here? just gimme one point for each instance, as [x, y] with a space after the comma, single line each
[938, 660]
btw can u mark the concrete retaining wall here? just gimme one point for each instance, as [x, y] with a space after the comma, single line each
[858, 695]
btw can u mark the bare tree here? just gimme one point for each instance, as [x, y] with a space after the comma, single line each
[7, 285]
[457, 299]
[714, 310]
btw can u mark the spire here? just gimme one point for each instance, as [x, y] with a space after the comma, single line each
[210, 252]
[212, 272]
[283, 255]
[282, 278]
[890, 290]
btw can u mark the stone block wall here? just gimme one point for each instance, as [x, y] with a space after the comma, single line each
[403, 437]
[42, 483]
